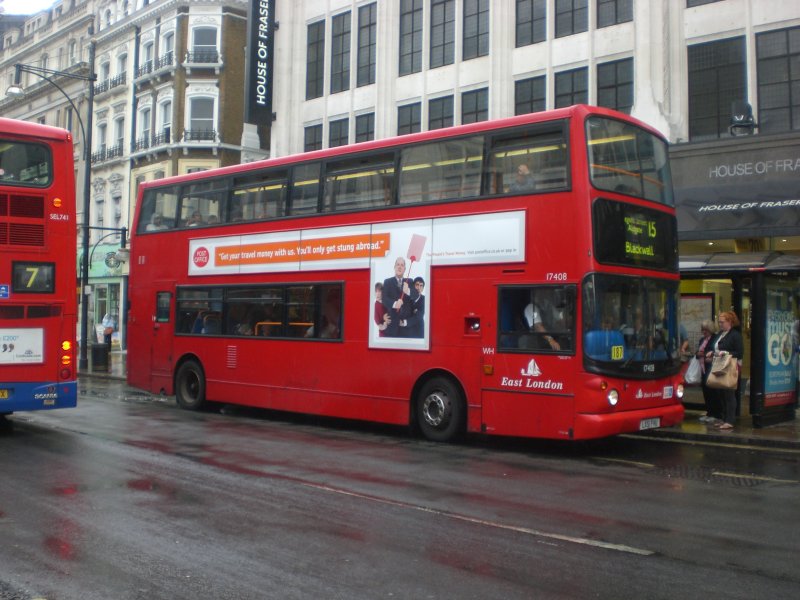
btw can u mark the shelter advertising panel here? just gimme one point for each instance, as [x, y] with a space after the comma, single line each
[780, 366]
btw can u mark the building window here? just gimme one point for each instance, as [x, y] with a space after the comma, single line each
[615, 85]
[440, 113]
[476, 28]
[717, 75]
[119, 133]
[572, 87]
[340, 53]
[475, 106]
[165, 135]
[691, 3]
[409, 118]
[201, 119]
[530, 95]
[204, 49]
[778, 55]
[613, 12]
[168, 43]
[315, 60]
[531, 22]
[367, 40]
[122, 64]
[312, 138]
[410, 36]
[572, 16]
[443, 32]
[73, 52]
[365, 127]
[101, 137]
[144, 127]
[339, 133]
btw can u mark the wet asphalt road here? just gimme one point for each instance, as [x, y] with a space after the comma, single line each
[129, 497]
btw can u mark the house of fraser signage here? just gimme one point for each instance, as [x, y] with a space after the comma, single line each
[737, 189]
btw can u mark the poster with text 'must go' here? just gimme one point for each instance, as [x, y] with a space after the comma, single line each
[473, 239]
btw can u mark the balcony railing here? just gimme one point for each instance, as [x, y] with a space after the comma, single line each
[117, 80]
[199, 57]
[142, 143]
[99, 156]
[162, 138]
[110, 83]
[200, 135]
[145, 69]
[114, 151]
[165, 60]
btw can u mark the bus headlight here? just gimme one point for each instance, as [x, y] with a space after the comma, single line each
[679, 391]
[613, 397]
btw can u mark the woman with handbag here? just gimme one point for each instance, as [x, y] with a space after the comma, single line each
[710, 396]
[728, 341]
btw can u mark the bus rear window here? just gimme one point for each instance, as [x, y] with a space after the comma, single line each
[24, 163]
[628, 160]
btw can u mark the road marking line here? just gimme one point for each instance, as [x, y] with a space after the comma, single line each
[756, 477]
[780, 449]
[476, 521]
[625, 462]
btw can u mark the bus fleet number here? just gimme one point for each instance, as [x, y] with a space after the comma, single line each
[556, 276]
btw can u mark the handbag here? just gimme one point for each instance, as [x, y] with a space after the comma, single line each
[694, 374]
[724, 373]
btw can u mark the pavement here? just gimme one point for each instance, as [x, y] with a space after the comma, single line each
[782, 435]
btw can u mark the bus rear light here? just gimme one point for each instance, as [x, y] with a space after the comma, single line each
[66, 373]
[57, 202]
[66, 345]
[613, 397]
[66, 359]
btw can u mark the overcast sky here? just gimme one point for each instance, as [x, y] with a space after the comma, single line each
[23, 7]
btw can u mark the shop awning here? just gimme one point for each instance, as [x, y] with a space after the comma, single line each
[728, 262]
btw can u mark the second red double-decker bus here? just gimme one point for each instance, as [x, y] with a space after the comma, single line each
[37, 268]
[515, 277]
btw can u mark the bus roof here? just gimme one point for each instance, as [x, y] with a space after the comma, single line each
[33, 130]
[577, 110]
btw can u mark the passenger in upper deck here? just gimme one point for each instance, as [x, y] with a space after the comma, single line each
[524, 180]
[157, 223]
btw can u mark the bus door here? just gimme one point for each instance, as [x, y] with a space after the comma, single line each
[528, 360]
[163, 331]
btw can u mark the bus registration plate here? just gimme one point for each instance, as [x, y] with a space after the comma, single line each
[649, 423]
[3, 394]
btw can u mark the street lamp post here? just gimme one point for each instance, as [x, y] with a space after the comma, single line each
[16, 90]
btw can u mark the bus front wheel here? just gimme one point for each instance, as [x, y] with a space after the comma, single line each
[440, 410]
[190, 386]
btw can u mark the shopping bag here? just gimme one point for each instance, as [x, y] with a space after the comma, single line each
[694, 373]
[724, 373]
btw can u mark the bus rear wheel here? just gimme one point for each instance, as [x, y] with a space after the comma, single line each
[440, 410]
[190, 386]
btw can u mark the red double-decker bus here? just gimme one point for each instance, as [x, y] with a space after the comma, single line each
[37, 268]
[514, 277]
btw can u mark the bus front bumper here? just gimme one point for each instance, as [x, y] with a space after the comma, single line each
[589, 426]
